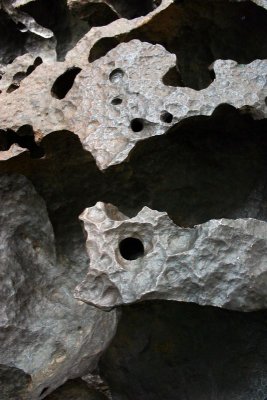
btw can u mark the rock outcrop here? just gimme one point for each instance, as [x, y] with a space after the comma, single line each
[46, 335]
[148, 119]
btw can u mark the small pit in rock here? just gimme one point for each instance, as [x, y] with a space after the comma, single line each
[131, 248]
[166, 117]
[116, 101]
[116, 75]
[64, 83]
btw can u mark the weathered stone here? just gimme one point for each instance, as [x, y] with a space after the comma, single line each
[220, 263]
[46, 336]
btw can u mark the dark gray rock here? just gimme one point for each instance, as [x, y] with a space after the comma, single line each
[46, 335]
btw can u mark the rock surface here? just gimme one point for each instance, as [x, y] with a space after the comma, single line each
[220, 263]
[46, 336]
[170, 99]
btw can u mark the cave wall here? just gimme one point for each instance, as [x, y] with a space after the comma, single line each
[133, 193]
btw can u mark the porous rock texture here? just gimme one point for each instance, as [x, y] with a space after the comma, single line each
[148, 119]
[222, 263]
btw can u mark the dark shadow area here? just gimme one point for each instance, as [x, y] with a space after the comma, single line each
[19, 76]
[203, 168]
[64, 83]
[14, 382]
[12, 41]
[76, 389]
[95, 14]
[56, 16]
[179, 351]
[24, 137]
[200, 32]
[134, 8]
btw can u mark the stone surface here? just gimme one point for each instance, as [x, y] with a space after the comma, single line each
[129, 98]
[46, 335]
[169, 98]
[220, 263]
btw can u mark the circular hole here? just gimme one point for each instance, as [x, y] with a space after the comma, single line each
[131, 248]
[166, 117]
[116, 101]
[137, 124]
[116, 75]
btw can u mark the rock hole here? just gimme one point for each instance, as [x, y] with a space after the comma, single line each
[116, 101]
[166, 117]
[116, 75]
[137, 125]
[173, 78]
[131, 248]
[64, 83]
[44, 391]
[24, 137]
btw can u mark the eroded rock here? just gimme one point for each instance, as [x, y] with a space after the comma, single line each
[46, 336]
[220, 263]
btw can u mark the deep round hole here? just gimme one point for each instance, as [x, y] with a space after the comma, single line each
[131, 248]
[137, 124]
[116, 101]
[116, 75]
[166, 117]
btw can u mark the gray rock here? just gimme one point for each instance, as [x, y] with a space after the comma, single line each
[222, 263]
[169, 350]
[46, 335]
[130, 107]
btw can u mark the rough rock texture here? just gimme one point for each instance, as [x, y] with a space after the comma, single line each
[46, 336]
[220, 263]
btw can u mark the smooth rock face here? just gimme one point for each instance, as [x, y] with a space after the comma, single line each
[222, 263]
[46, 335]
[120, 99]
